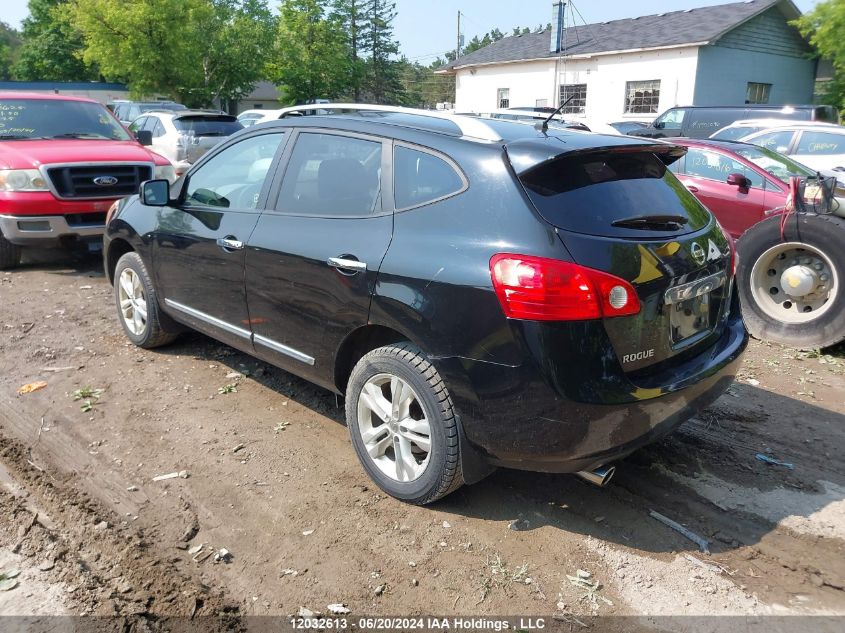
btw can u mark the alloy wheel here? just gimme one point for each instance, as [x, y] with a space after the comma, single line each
[133, 301]
[394, 427]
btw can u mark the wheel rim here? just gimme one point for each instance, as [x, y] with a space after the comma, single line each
[394, 428]
[794, 282]
[133, 301]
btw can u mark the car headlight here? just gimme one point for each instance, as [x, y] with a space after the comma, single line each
[165, 172]
[22, 180]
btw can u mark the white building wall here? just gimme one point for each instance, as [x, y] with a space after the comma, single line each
[605, 76]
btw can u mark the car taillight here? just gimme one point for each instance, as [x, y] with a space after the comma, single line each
[542, 289]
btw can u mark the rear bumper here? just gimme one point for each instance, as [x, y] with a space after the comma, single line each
[41, 230]
[519, 417]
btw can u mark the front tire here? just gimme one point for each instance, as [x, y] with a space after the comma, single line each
[10, 254]
[792, 288]
[137, 304]
[403, 424]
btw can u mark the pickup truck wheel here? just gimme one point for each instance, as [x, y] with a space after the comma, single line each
[403, 424]
[10, 254]
[791, 289]
[137, 305]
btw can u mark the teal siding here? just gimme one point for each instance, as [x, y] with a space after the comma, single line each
[765, 49]
[770, 33]
[722, 76]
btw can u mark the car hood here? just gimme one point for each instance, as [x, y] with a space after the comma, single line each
[33, 154]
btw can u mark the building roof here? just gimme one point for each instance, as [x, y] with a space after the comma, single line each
[676, 28]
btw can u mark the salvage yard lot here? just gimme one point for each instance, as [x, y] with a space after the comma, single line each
[272, 478]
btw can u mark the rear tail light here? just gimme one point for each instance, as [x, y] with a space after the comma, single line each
[542, 289]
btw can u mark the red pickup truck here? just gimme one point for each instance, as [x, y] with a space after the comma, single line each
[63, 162]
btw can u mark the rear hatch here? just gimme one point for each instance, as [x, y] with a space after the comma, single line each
[618, 209]
[204, 131]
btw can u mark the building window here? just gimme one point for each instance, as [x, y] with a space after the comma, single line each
[757, 93]
[503, 97]
[578, 92]
[642, 97]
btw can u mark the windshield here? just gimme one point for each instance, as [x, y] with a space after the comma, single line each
[592, 193]
[207, 125]
[775, 164]
[55, 118]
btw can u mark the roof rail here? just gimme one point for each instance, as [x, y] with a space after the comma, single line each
[468, 126]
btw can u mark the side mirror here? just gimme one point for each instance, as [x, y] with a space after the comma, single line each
[738, 180]
[659, 125]
[145, 137]
[155, 193]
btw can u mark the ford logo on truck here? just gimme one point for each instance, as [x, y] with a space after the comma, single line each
[105, 181]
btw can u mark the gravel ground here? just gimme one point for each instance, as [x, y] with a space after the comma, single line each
[271, 478]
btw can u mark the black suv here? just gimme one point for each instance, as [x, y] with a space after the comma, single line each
[483, 293]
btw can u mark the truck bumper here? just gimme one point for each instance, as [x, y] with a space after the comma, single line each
[46, 230]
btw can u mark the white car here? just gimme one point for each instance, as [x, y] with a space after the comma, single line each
[746, 127]
[185, 135]
[820, 148]
[251, 117]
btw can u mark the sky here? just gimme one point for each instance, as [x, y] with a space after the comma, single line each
[428, 28]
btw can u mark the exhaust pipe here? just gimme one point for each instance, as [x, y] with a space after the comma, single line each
[598, 477]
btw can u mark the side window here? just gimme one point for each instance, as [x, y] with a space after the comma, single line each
[331, 175]
[775, 141]
[420, 178]
[715, 166]
[157, 127]
[137, 124]
[821, 143]
[234, 177]
[672, 120]
[133, 113]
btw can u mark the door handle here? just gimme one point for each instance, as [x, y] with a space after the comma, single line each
[347, 264]
[229, 243]
[692, 188]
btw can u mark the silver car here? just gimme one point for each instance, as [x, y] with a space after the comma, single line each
[183, 136]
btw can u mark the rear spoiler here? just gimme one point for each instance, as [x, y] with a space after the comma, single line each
[528, 154]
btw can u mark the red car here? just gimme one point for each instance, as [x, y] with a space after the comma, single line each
[738, 182]
[63, 162]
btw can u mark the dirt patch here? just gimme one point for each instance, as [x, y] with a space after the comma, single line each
[270, 476]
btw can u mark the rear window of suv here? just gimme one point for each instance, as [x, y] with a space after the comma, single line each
[208, 125]
[589, 192]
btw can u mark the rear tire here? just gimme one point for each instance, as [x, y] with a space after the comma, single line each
[10, 254]
[792, 289]
[403, 424]
[137, 304]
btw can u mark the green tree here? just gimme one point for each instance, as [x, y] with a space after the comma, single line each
[130, 41]
[382, 79]
[823, 27]
[51, 48]
[310, 58]
[203, 51]
[10, 43]
[238, 34]
[350, 15]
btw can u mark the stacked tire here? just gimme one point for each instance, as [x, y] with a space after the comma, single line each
[790, 280]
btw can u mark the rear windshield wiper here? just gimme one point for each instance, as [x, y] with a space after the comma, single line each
[652, 222]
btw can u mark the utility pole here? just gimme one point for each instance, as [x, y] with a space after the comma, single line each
[458, 46]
